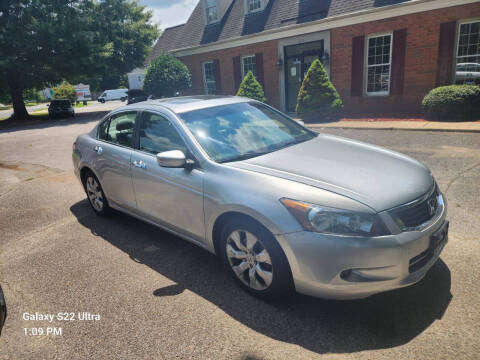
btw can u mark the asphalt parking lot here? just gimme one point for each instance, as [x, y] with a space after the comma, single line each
[160, 297]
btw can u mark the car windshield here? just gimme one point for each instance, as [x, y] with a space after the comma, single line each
[241, 131]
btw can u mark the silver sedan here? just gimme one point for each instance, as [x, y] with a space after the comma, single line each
[285, 208]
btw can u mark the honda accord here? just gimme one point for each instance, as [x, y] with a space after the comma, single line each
[284, 207]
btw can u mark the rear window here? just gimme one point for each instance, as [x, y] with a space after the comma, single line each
[60, 102]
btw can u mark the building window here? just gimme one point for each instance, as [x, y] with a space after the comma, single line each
[467, 69]
[211, 11]
[379, 57]
[249, 64]
[254, 5]
[209, 78]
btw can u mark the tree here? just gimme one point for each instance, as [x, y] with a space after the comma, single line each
[251, 88]
[44, 42]
[317, 95]
[65, 91]
[165, 76]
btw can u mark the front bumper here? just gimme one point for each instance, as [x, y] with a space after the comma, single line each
[343, 267]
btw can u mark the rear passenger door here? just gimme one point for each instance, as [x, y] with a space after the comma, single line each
[113, 153]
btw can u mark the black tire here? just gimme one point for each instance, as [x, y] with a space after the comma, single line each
[102, 101]
[105, 209]
[281, 282]
[123, 99]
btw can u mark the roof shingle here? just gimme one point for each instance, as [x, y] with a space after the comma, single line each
[235, 23]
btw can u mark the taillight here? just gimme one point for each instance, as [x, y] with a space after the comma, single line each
[74, 146]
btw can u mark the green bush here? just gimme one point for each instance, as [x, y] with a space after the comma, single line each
[165, 76]
[317, 95]
[454, 102]
[65, 91]
[251, 88]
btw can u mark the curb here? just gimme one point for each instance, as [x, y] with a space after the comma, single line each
[317, 126]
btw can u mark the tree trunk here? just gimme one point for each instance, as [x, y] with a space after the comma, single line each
[19, 109]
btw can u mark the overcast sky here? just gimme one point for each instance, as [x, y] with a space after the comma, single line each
[170, 12]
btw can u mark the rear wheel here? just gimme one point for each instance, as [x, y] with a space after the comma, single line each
[95, 194]
[255, 259]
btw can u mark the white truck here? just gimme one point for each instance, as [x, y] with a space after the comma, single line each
[116, 94]
[83, 93]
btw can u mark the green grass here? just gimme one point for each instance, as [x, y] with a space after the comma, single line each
[79, 105]
[41, 112]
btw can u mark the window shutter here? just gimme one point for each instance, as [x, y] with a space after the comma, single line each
[446, 53]
[358, 46]
[216, 74]
[237, 72]
[398, 61]
[259, 68]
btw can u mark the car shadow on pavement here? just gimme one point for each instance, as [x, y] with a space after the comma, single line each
[323, 326]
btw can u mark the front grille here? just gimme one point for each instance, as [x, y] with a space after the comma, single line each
[418, 213]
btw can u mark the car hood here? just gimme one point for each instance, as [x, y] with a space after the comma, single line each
[374, 176]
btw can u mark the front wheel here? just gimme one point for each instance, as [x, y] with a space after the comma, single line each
[95, 194]
[255, 259]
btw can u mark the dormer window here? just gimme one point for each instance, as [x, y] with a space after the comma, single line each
[211, 11]
[253, 5]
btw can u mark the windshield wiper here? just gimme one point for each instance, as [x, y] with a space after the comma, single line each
[247, 155]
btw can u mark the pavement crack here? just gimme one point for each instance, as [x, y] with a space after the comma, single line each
[459, 175]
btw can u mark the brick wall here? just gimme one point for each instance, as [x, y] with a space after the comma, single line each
[225, 57]
[423, 31]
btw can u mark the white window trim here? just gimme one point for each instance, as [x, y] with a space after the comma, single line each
[365, 70]
[241, 63]
[457, 39]
[262, 7]
[205, 87]
[205, 16]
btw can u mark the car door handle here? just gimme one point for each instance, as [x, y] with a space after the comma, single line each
[98, 150]
[140, 164]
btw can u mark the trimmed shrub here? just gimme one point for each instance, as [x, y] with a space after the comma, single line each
[65, 91]
[251, 88]
[454, 102]
[317, 95]
[165, 76]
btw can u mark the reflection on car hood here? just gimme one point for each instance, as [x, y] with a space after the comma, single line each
[374, 176]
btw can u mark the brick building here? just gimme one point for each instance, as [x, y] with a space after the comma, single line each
[382, 55]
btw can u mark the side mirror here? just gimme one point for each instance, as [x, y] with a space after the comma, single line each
[172, 159]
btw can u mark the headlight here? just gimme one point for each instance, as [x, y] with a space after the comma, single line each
[335, 221]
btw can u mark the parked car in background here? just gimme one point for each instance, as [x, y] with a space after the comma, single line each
[468, 73]
[3, 310]
[283, 206]
[60, 107]
[136, 95]
[117, 94]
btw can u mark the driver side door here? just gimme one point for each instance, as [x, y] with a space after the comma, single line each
[172, 197]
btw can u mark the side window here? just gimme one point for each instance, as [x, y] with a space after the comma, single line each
[121, 128]
[102, 130]
[157, 134]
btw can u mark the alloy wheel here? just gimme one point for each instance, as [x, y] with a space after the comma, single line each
[94, 193]
[249, 259]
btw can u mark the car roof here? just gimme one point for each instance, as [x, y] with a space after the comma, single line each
[182, 104]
